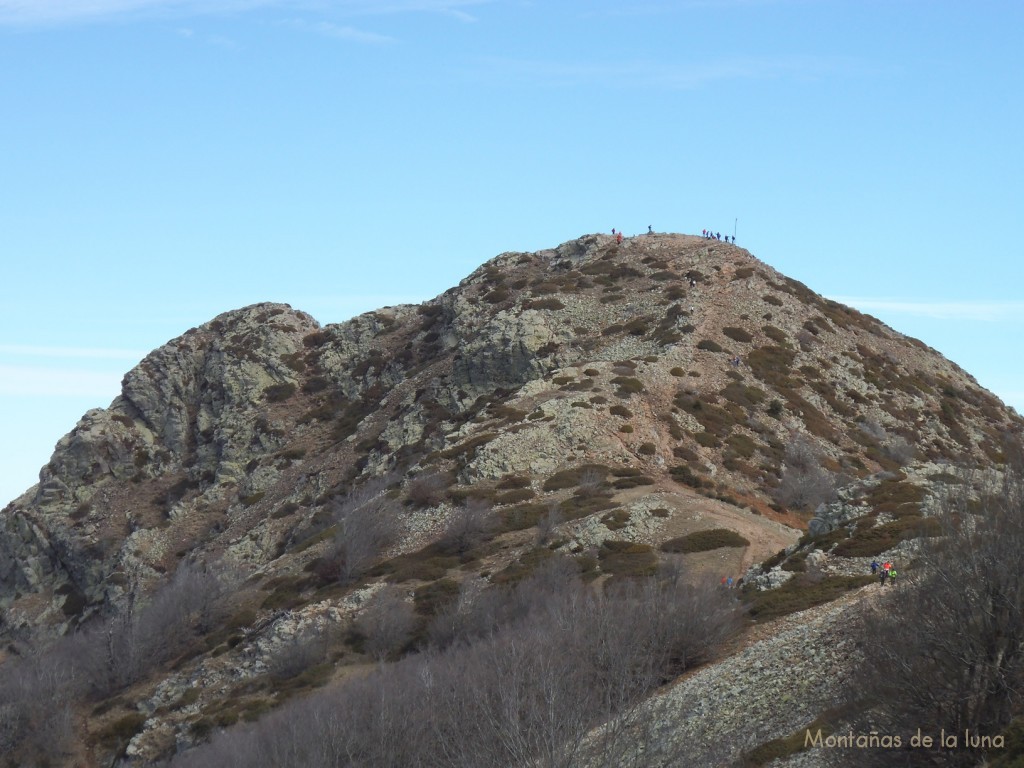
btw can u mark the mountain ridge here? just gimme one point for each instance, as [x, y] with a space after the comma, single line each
[664, 378]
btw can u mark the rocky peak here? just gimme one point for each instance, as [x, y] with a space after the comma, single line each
[664, 378]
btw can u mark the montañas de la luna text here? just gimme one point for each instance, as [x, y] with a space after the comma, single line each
[875, 740]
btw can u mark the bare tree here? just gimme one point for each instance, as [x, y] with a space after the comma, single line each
[804, 483]
[366, 522]
[548, 522]
[386, 624]
[873, 429]
[900, 450]
[590, 480]
[558, 680]
[427, 489]
[946, 648]
[468, 526]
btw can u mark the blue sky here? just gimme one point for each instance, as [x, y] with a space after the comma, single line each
[167, 160]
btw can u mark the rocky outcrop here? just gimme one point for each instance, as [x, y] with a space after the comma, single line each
[666, 361]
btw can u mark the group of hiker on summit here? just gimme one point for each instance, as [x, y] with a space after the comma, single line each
[709, 235]
[618, 235]
[884, 571]
[705, 233]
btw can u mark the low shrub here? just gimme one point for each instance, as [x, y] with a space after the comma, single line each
[576, 507]
[627, 559]
[616, 519]
[801, 592]
[523, 567]
[627, 385]
[632, 481]
[521, 517]
[708, 346]
[121, 730]
[430, 599]
[682, 473]
[704, 541]
[514, 496]
[738, 334]
[876, 540]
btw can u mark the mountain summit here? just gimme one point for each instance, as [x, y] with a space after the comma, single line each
[600, 401]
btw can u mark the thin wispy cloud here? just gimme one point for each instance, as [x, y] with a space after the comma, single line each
[70, 353]
[31, 12]
[457, 9]
[28, 12]
[621, 10]
[985, 311]
[36, 381]
[340, 32]
[659, 75]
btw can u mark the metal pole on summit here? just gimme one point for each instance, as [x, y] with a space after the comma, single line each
[734, 222]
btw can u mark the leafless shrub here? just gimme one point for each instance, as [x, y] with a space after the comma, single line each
[468, 526]
[304, 649]
[899, 449]
[427, 489]
[140, 635]
[590, 480]
[386, 624]
[36, 694]
[873, 429]
[547, 524]
[962, 665]
[549, 661]
[804, 483]
[366, 523]
[806, 339]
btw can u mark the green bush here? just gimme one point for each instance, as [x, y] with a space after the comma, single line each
[704, 541]
[521, 517]
[431, 598]
[776, 334]
[523, 567]
[620, 410]
[570, 478]
[708, 346]
[427, 564]
[633, 481]
[121, 730]
[627, 385]
[738, 334]
[682, 473]
[616, 519]
[576, 507]
[514, 496]
[627, 559]
[876, 540]
[742, 445]
[801, 592]
[513, 481]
